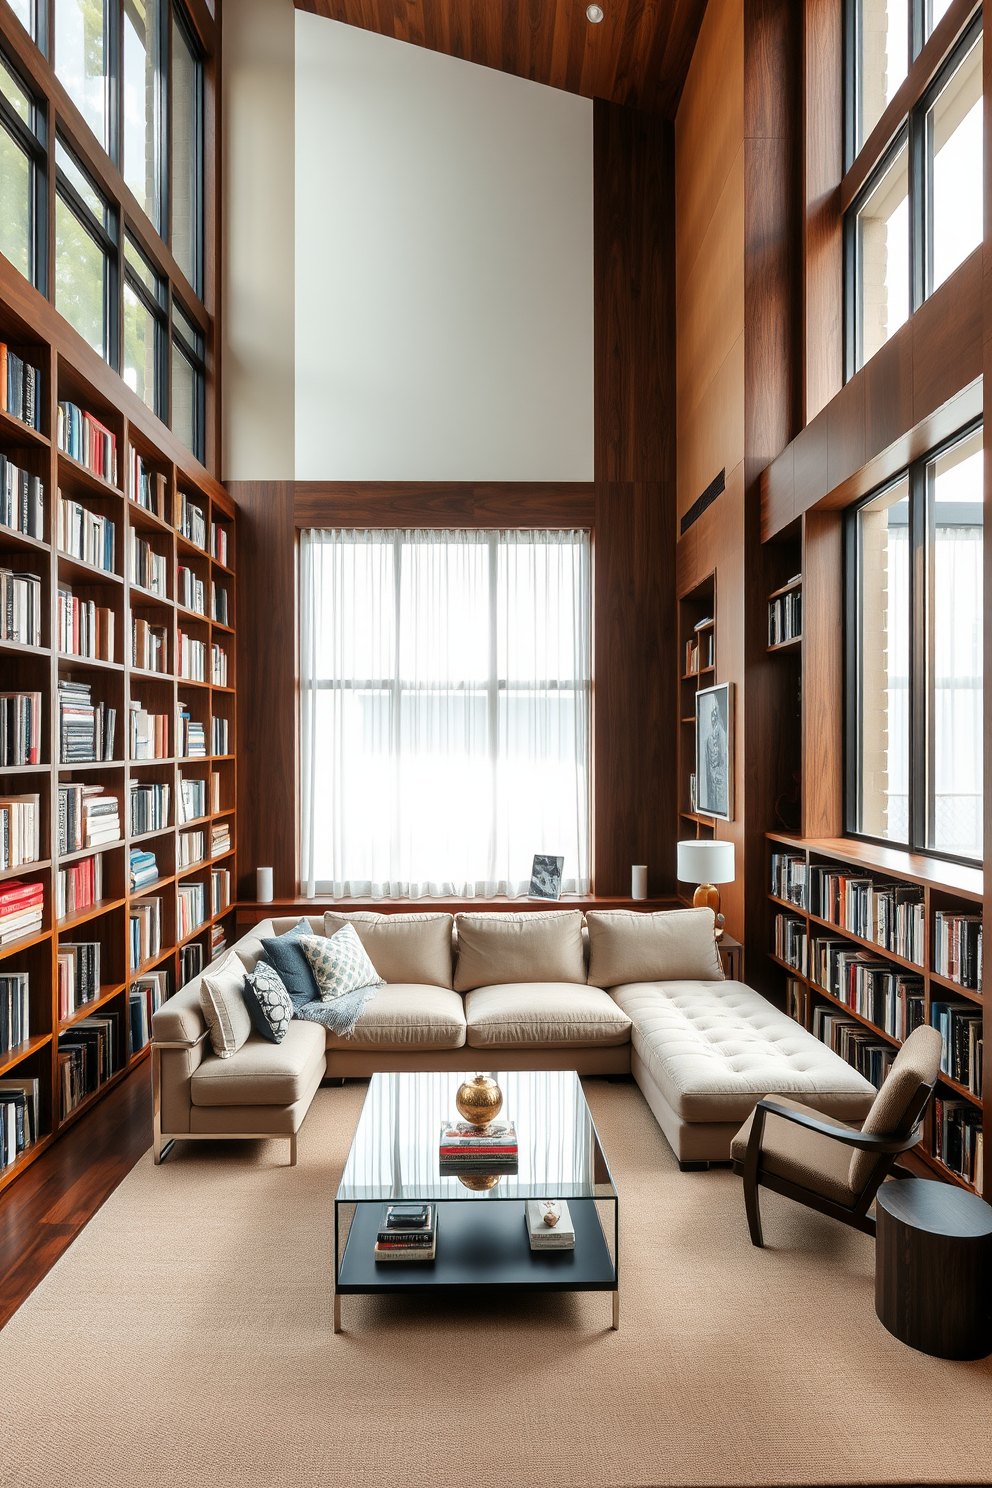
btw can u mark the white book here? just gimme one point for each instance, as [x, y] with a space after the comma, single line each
[544, 1236]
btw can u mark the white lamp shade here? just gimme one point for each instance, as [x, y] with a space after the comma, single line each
[706, 862]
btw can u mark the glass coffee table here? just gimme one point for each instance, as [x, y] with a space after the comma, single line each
[482, 1240]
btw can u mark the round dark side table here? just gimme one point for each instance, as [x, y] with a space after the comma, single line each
[933, 1267]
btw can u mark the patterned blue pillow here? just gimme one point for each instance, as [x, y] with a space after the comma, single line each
[268, 1002]
[285, 953]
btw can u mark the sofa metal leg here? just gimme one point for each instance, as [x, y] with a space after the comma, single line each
[292, 1151]
[161, 1147]
[337, 1312]
[616, 1312]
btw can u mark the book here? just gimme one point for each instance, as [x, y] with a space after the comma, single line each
[543, 1236]
[401, 1238]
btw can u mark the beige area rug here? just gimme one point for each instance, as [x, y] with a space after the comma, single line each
[185, 1339]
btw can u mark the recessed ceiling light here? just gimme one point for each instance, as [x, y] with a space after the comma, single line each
[594, 13]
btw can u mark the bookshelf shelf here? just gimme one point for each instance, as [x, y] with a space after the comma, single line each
[108, 991]
[92, 911]
[74, 570]
[10, 1058]
[20, 648]
[15, 431]
[88, 852]
[23, 868]
[23, 943]
[15, 542]
[88, 663]
[72, 471]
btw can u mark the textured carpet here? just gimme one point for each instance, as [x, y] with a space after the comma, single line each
[185, 1339]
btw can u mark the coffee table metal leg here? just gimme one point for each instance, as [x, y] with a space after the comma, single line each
[616, 1311]
[337, 1312]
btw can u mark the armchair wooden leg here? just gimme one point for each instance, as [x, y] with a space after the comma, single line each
[753, 1212]
[752, 1158]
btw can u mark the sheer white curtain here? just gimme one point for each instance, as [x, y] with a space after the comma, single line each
[445, 686]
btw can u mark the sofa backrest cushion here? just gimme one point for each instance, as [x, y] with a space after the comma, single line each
[675, 945]
[542, 946]
[223, 1005]
[411, 948]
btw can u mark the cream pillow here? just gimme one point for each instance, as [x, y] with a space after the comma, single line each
[543, 946]
[339, 963]
[410, 948]
[674, 945]
[223, 1006]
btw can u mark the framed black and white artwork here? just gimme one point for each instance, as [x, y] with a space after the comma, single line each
[715, 751]
[545, 877]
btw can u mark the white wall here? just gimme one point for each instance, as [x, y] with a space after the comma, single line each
[444, 285]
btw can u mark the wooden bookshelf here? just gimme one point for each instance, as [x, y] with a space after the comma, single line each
[69, 371]
[943, 886]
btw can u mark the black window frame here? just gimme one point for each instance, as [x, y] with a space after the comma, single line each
[913, 129]
[34, 145]
[157, 306]
[195, 357]
[921, 650]
[108, 242]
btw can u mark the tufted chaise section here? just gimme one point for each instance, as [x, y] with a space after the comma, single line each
[704, 1053]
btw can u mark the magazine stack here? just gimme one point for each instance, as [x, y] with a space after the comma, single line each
[474, 1151]
[407, 1232]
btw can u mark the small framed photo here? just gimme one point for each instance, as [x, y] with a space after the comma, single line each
[545, 877]
[715, 751]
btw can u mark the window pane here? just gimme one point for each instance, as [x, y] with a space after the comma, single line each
[954, 145]
[16, 204]
[883, 665]
[187, 177]
[136, 260]
[10, 87]
[882, 59]
[935, 9]
[81, 60]
[139, 348]
[883, 258]
[187, 329]
[185, 398]
[26, 13]
[955, 481]
[81, 278]
[142, 111]
[84, 186]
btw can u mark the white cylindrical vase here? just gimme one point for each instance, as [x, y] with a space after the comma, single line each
[263, 885]
[639, 881]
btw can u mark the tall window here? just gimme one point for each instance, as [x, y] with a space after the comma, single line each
[22, 177]
[144, 327]
[144, 104]
[915, 656]
[187, 154]
[85, 255]
[919, 213]
[445, 710]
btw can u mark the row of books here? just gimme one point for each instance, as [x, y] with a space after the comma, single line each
[79, 975]
[148, 570]
[218, 543]
[20, 1116]
[219, 736]
[20, 728]
[149, 807]
[142, 869]
[220, 890]
[84, 628]
[218, 665]
[149, 646]
[20, 388]
[957, 948]
[20, 607]
[890, 914]
[958, 1140]
[148, 733]
[22, 909]
[87, 440]
[192, 799]
[148, 487]
[960, 1029]
[785, 617]
[191, 849]
[86, 729]
[22, 500]
[857, 1045]
[15, 1009]
[87, 1057]
[699, 653]
[471, 1151]
[20, 830]
[146, 995]
[190, 591]
[78, 886]
[191, 908]
[218, 604]
[88, 817]
[218, 940]
[86, 535]
[877, 990]
[791, 943]
[191, 522]
[190, 962]
[191, 735]
[144, 931]
[192, 656]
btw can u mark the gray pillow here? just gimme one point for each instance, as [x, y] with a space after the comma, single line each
[285, 953]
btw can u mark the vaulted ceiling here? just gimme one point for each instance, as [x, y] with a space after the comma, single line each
[638, 54]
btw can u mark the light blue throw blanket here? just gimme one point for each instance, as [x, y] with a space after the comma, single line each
[340, 1016]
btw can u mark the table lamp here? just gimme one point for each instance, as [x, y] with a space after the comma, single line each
[706, 864]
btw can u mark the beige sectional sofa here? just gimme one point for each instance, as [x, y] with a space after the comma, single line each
[611, 993]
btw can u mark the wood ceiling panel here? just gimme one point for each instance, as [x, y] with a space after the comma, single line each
[638, 54]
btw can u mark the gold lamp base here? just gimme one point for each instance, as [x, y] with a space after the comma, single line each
[707, 896]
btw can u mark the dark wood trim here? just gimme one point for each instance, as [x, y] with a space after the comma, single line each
[551, 504]
[823, 238]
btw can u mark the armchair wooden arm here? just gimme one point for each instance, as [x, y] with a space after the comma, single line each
[864, 1142]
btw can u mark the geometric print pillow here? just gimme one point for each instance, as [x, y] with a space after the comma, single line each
[340, 963]
[268, 1002]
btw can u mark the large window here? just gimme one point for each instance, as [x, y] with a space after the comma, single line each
[445, 706]
[914, 691]
[23, 238]
[85, 255]
[919, 213]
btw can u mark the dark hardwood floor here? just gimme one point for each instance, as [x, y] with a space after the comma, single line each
[46, 1208]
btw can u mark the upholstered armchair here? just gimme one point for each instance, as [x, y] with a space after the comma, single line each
[826, 1165]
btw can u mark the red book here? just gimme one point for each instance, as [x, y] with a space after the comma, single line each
[20, 894]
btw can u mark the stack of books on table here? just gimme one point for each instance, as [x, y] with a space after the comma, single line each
[407, 1232]
[549, 1225]
[474, 1151]
[21, 909]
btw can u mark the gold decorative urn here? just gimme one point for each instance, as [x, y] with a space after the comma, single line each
[479, 1100]
[479, 1182]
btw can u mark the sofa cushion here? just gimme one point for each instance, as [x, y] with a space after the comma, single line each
[223, 1005]
[799, 1155]
[412, 948]
[675, 945]
[404, 1015]
[260, 1073]
[543, 946]
[285, 953]
[713, 1048]
[552, 1015]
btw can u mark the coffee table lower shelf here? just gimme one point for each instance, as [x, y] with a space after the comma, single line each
[480, 1247]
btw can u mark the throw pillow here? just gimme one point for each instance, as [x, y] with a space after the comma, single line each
[268, 1002]
[286, 954]
[675, 945]
[340, 963]
[224, 1007]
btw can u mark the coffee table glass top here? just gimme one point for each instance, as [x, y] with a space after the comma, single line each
[394, 1154]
